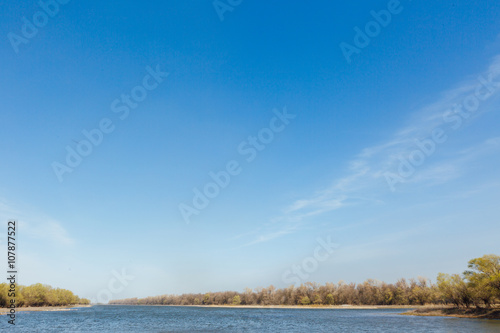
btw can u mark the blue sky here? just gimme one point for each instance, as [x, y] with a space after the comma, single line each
[324, 175]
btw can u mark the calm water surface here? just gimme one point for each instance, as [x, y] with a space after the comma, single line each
[193, 319]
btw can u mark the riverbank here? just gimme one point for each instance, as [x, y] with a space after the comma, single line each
[302, 307]
[44, 308]
[477, 313]
[299, 307]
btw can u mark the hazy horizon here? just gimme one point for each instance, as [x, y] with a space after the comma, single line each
[200, 149]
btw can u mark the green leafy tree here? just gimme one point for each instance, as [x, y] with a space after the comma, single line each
[486, 268]
[236, 300]
[317, 300]
[484, 278]
[305, 300]
[454, 290]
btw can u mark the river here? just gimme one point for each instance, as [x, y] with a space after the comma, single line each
[198, 319]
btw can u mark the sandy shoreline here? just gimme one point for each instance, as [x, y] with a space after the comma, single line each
[318, 307]
[4, 311]
[299, 307]
[472, 313]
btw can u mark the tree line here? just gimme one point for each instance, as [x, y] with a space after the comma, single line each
[478, 286]
[38, 295]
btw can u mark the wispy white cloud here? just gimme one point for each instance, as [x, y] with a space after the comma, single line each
[36, 225]
[265, 237]
[267, 232]
[455, 166]
[367, 169]
[365, 181]
[47, 229]
[474, 192]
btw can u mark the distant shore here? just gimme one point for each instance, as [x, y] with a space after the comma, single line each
[4, 311]
[298, 307]
[319, 307]
[473, 313]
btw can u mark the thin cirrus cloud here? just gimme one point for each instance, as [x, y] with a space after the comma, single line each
[456, 166]
[50, 230]
[365, 181]
[368, 169]
[266, 233]
[35, 225]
